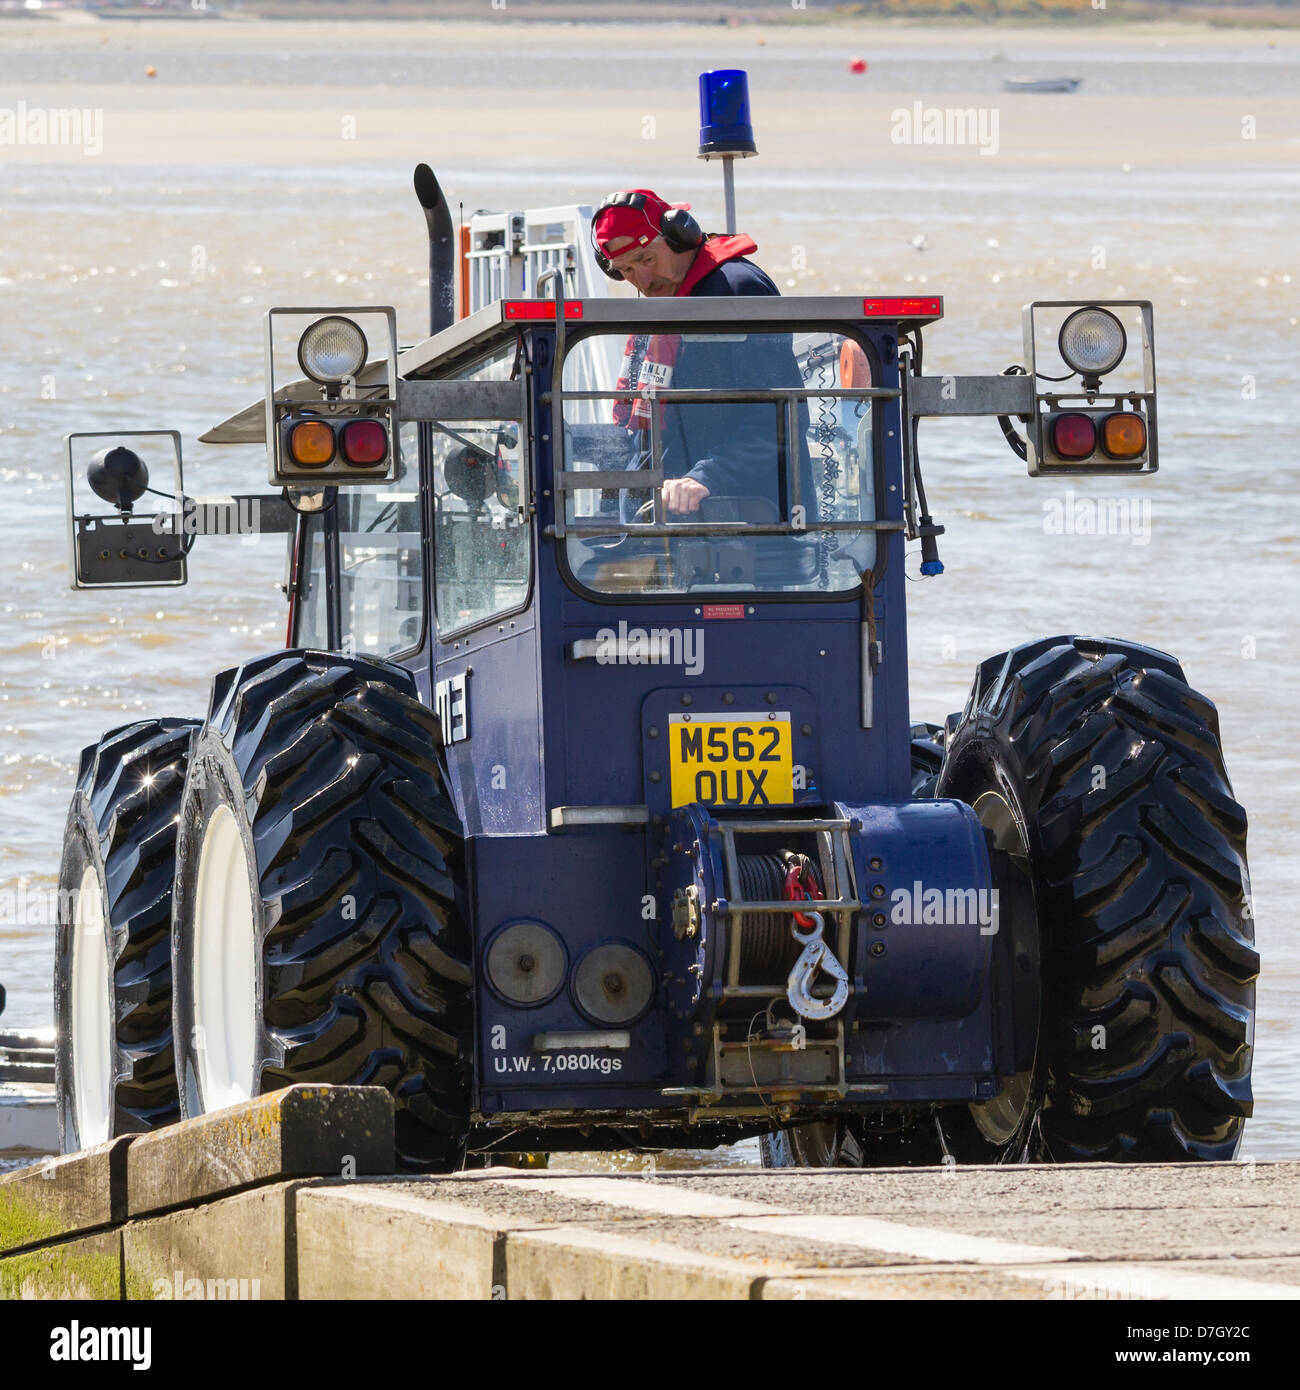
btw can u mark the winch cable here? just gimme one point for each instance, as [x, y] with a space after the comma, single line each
[765, 942]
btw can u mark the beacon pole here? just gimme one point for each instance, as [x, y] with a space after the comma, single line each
[725, 129]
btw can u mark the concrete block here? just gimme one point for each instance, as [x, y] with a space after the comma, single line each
[62, 1196]
[302, 1131]
[368, 1242]
[89, 1267]
[577, 1263]
[236, 1248]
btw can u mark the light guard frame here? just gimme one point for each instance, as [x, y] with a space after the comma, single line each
[1039, 459]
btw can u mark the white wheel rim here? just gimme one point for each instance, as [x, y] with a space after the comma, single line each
[92, 1016]
[224, 968]
[999, 1117]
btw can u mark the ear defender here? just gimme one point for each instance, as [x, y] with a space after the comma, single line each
[677, 227]
[680, 230]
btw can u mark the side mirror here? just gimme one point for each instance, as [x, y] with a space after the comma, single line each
[123, 547]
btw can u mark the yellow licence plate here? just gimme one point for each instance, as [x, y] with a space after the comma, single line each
[731, 759]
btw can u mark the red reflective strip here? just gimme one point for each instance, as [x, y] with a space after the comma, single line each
[900, 308]
[723, 610]
[541, 308]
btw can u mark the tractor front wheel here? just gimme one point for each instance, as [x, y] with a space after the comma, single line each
[114, 1068]
[320, 914]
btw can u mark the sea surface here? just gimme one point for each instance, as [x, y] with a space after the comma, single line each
[131, 296]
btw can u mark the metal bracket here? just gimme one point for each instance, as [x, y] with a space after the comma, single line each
[970, 395]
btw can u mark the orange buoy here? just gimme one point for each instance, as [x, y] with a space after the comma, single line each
[151, 71]
[857, 65]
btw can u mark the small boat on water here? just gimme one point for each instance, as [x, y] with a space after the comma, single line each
[1040, 84]
[29, 1123]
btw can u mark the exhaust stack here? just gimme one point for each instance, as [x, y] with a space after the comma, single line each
[442, 249]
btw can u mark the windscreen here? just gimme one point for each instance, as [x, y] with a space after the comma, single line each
[729, 471]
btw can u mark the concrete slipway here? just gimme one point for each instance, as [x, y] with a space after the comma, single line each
[293, 1196]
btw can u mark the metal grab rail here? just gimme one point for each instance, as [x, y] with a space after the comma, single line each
[790, 396]
[713, 395]
[714, 528]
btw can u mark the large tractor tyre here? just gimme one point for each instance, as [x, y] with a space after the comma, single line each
[114, 1067]
[887, 1141]
[1099, 772]
[319, 922]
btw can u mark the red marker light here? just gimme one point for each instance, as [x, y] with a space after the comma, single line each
[901, 308]
[541, 308]
[1073, 436]
[364, 443]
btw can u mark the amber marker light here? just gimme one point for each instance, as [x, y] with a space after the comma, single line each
[311, 443]
[1124, 435]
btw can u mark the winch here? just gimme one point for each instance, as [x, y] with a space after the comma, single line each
[774, 994]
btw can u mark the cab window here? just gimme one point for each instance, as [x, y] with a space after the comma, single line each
[477, 471]
[375, 535]
[481, 546]
[757, 474]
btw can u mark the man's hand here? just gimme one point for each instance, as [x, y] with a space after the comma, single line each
[683, 494]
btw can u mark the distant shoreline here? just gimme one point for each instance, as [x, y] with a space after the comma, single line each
[884, 16]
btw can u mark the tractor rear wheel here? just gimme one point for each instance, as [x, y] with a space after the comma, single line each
[114, 1066]
[320, 925]
[1099, 770]
[887, 1141]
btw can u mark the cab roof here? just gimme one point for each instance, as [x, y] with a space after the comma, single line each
[498, 321]
[477, 331]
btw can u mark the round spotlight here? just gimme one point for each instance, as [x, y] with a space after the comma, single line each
[1093, 341]
[118, 475]
[332, 349]
[526, 963]
[613, 983]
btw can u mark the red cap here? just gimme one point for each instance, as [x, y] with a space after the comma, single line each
[639, 223]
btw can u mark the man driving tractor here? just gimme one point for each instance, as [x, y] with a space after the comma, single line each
[724, 451]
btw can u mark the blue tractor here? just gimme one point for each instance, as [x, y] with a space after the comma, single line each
[578, 824]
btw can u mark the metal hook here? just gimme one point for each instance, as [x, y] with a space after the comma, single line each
[814, 957]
